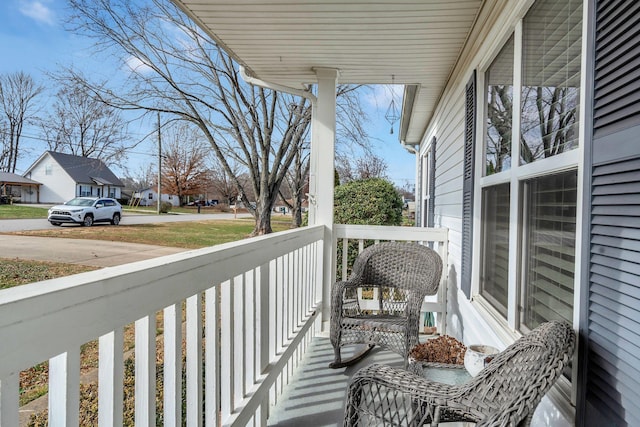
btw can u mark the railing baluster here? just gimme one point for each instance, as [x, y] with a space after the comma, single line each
[238, 339]
[145, 368]
[212, 350]
[194, 360]
[64, 389]
[110, 379]
[264, 346]
[173, 365]
[226, 350]
[250, 307]
[9, 400]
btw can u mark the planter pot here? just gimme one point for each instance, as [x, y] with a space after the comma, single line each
[477, 356]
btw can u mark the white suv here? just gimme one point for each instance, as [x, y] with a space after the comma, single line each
[86, 211]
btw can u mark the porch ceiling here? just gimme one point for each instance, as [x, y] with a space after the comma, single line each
[281, 41]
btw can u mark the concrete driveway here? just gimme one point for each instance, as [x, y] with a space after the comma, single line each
[97, 253]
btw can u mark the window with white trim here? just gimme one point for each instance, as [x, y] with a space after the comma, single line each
[532, 201]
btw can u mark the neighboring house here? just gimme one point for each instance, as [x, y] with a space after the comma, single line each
[12, 185]
[65, 176]
[149, 197]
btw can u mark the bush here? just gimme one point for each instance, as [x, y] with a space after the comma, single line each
[165, 207]
[371, 201]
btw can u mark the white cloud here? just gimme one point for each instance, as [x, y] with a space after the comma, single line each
[38, 11]
[136, 65]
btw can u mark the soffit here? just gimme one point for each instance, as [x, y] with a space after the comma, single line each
[417, 41]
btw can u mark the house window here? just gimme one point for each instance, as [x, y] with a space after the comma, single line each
[499, 92]
[528, 225]
[494, 277]
[428, 186]
[150, 197]
[548, 258]
[550, 79]
[48, 170]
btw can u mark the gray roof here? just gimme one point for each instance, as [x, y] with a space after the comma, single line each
[12, 178]
[85, 170]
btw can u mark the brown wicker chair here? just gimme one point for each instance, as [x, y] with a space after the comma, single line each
[404, 274]
[505, 393]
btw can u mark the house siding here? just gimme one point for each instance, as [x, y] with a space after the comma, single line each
[57, 186]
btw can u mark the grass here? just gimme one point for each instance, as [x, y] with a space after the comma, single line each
[21, 212]
[15, 272]
[189, 235]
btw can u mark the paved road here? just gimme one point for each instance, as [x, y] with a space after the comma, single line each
[9, 225]
[87, 252]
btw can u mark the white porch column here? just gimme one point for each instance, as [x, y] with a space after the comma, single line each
[322, 157]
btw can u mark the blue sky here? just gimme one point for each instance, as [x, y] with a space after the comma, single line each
[33, 40]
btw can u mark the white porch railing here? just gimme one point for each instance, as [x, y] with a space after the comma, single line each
[437, 237]
[251, 309]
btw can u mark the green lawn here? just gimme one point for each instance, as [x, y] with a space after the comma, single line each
[190, 235]
[21, 212]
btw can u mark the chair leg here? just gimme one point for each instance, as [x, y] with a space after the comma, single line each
[339, 363]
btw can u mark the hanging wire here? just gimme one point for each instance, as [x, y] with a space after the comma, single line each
[392, 115]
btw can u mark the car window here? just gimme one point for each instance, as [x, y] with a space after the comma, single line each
[109, 203]
[79, 202]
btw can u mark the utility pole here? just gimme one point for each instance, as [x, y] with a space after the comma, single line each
[159, 165]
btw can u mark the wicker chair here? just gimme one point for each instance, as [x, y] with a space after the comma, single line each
[403, 273]
[505, 393]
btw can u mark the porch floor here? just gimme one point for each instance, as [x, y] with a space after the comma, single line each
[316, 393]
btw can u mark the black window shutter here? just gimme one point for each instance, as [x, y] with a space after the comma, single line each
[610, 312]
[467, 185]
[432, 185]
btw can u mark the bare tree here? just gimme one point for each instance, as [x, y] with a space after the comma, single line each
[17, 93]
[82, 125]
[142, 179]
[180, 72]
[222, 183]
[184, 168]
[297, 185]
[367, 166]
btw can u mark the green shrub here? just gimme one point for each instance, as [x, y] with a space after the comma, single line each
[165, 207]
[371, 201]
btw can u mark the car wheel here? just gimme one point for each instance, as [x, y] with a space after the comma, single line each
[116, 219]
[88, 221]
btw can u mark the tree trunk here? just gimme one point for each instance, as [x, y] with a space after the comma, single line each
[263, 220]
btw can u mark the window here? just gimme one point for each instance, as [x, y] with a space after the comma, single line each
[494, 279]
[150, 197]
[48, 170]
[428, 186]
[499, 92]
[551, 79]
[549, 238]
[538, 189]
